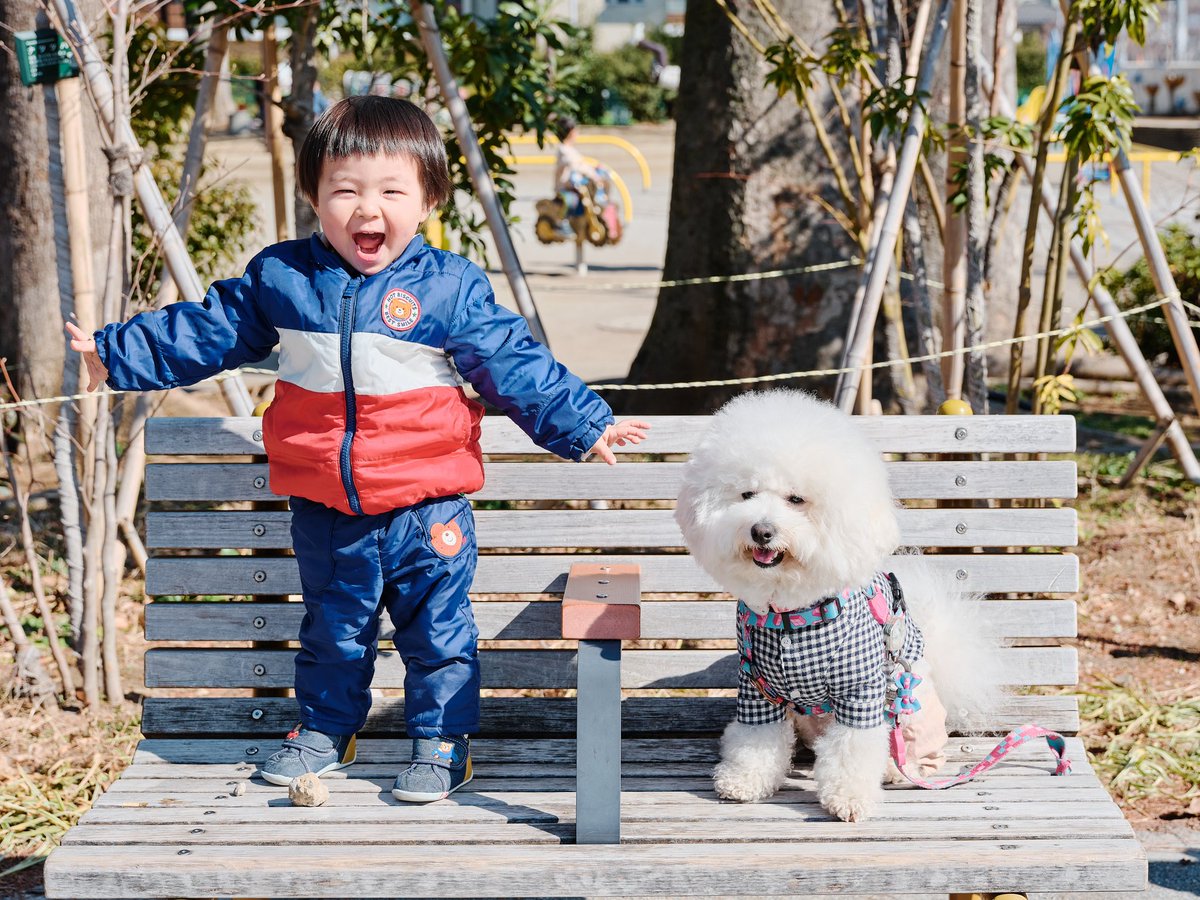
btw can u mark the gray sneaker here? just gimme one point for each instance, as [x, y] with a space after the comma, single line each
[306, 751]
[440, 766]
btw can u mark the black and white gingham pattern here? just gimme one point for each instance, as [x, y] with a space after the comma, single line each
[842, 662]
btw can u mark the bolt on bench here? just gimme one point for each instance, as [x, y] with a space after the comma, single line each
[648, 714]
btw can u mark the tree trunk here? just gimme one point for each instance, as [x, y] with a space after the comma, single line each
[31, 328]
[747, 170]
[298, 106]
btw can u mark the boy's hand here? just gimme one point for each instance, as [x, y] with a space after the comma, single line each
[620, 433]
[80, 342]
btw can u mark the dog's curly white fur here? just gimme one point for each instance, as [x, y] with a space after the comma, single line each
[784, 502]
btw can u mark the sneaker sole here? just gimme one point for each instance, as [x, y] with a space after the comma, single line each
[284, 781]
[427, 796]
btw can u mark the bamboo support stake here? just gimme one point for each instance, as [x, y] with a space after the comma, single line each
[193, 160]
[1164, 282]
[1117, 327]
[880, 261]
[157, 213]
[431, 39]
[954, 263]
[273, 129]
[35, 575]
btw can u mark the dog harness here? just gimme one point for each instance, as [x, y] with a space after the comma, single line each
[831, 657]
[902, 645]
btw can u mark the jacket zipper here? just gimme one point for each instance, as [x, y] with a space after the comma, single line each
[345, 331]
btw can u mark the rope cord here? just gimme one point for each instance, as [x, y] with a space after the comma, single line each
[722, 382]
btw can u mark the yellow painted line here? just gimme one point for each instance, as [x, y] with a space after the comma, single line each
[617, 180]
[596, 139]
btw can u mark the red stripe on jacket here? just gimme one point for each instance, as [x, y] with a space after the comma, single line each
[407, 447]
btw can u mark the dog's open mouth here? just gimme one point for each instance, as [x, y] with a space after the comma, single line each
[765, 558]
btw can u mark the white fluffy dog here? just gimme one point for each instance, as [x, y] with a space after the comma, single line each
[788, 507]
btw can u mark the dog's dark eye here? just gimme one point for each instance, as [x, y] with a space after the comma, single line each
[747, 495]
[796, 500]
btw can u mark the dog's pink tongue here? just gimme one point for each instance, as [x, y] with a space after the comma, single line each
[763, 555]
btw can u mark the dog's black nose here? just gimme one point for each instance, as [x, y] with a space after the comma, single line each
[762, 533]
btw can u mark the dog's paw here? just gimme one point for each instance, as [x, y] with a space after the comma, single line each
[733, 783]
[849, 809]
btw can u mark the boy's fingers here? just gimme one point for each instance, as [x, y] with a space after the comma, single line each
[606, 454]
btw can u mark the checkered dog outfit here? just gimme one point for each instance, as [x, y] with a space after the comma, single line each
[831, 657]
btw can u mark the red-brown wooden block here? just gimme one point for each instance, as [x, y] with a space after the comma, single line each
[602, 603]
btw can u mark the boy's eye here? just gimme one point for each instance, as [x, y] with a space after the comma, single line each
[748, 495]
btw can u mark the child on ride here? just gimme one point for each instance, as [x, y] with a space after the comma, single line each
[371, 433]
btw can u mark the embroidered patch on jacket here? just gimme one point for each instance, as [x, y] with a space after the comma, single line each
[401, 310]
[447, 539]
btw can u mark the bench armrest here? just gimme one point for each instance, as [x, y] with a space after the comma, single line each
[601, 607]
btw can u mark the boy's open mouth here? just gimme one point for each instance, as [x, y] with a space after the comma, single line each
[368, 242]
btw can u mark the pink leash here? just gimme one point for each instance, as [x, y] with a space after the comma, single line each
[1011, 742]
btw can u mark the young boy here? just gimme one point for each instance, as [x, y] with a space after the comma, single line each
[370, 432]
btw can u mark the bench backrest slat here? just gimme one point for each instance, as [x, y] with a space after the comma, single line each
[509, 620]
[926, 480]
[615, 528]
[549, 669]
[545, 573]
[675, 434]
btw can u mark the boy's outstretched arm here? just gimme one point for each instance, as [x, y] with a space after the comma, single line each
[629, 431]
[85, 344]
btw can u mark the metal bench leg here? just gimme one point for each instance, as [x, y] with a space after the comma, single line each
[598, 744]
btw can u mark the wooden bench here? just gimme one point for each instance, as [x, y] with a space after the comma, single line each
[174, 826]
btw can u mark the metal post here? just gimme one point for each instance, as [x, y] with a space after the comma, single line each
[431, 39]
[598, 744]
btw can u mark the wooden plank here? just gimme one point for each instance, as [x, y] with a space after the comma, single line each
[669, 787]
[541, 620]
[640, 669]
[270, 529]
[928, 480]
[674, 434]
[524, 716]
[459, 871]
[694, 832]
[659, 752]
[547, 573]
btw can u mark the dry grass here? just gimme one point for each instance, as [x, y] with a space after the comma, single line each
[53, 764]
[1145, 745]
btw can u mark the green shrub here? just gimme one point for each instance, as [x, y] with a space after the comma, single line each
[612, 88]
[1134, 287]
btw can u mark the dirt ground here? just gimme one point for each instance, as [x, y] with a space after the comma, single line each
[1139, 642]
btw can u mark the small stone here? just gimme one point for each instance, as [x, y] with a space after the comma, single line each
[239, 789]
[307, 790]
[1179, 601]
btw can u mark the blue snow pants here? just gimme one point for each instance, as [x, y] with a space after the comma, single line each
[417, 563]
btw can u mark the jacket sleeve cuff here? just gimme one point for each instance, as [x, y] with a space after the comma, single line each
[585, 438]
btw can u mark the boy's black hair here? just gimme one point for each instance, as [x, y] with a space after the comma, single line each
[365, 126]
[563, 125]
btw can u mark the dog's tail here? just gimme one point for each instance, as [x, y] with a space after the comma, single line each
[960, 646]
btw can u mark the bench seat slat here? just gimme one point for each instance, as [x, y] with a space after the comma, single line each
[1062, 864]
[674, 434]
[547, 573]
[319, 832]
[640, 716]
[640, 669]
[271, 529]
[513, 620]
[936, 480]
